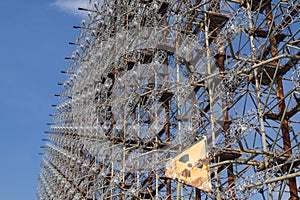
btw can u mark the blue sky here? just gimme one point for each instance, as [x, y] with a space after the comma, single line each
[34, 38]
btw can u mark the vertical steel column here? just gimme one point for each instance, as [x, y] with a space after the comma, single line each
[210, 93]
[281, 103]
[167, 131]
[258, 93]
[198, 194]
[220, 62]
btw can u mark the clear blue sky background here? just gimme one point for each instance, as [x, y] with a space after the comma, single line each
[33, 43]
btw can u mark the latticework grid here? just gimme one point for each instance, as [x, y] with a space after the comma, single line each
[150, 78]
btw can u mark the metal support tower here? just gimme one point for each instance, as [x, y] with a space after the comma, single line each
[152, 79]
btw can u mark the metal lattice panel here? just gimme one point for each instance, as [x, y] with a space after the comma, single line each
[151, 78]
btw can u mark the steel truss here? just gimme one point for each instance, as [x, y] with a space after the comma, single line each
[150, 78]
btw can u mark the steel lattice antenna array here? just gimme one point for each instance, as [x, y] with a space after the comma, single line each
[150, 78]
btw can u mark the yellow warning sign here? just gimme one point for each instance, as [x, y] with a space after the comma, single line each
[191, 167]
